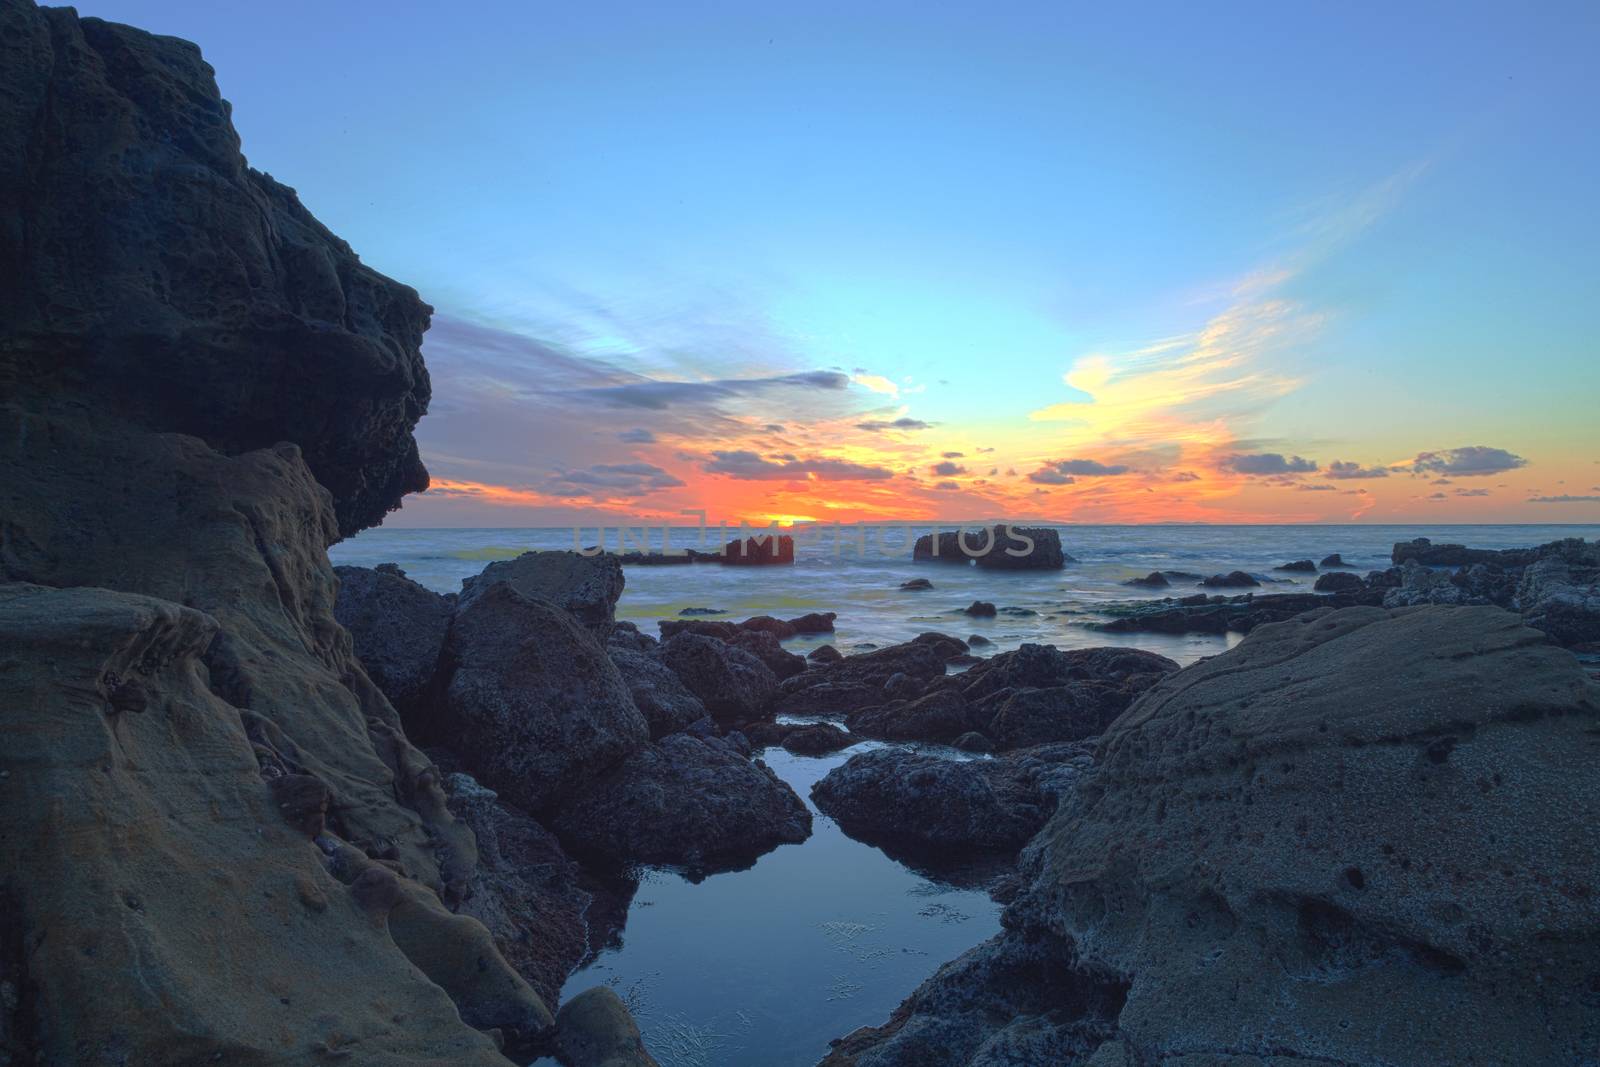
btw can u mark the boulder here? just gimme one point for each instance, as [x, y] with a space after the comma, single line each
[627, 635]
[684, 801]
[658, 693]
[397, 628]
[732, 683]
[585, 586]
[941, 715]
[594, 1029]
[758, 551]
[1304, 566]
[1335, 560]
[1339, 582]
[1422, 585]
[980, 609]
[1231, 580]
[1556, 600]
[534, 705]
[1001, 547]
[824, 654]
[856, 682]
[764, 646]
[816, 739]
[1153, 580]
[916, 585]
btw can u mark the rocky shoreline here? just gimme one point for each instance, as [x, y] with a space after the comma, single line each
[258, 809]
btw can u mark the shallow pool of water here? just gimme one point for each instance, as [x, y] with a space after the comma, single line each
[764, 966]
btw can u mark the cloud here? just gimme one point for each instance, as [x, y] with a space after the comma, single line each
[1186, 476]
[876, 382]
[1312, 487]
[878, 425]
[609, 481]
[946, 469]
[1438, 496]
[1564, 499]
[1472, 492]
[637, 437]
[748, 466]
[1089, 468]
[1469, 461]
[947, 485]
[1050, 476]
[658, 395]
[953, 455]
[1266, 463]
[773, 427]
[1342, 470]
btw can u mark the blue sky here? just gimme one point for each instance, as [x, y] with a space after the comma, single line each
[1374, 222]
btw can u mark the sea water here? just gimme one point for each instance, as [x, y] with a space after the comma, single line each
[764, 966]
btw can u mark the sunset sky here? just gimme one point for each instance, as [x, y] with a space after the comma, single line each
[1094, 263]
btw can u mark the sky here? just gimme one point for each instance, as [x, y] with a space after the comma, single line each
[1085, 263]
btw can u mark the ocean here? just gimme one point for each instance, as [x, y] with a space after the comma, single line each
[763, 966]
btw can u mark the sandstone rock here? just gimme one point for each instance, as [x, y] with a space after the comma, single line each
[1339, 582]
[536, 708]
[732, 683]
[397, 628]
[585, 586]
[661, 697]
[684, 801]
[594, 1029]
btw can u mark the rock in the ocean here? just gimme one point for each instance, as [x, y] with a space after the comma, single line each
[1001, 547]
[732, 683]
[1153, 580]
[1339, 582]
[1422, 585]
[980, 609]
[816, 739]
[1302, 566]
[594, 1029]
[1334, 560]
[535, 706]
[684, 801]
[916, 585]
[658, 693]
[758, 551]
[1231, 580]
[1555, 598]
[824, 654]
[398, 629]
[585, 586]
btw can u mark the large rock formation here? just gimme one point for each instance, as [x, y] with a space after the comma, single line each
[999, 547]
[585, 586]
[1360, 837]
[153, 276]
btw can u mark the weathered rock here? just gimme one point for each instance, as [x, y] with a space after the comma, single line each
[1231, 580]
[684, 801]
[658, 693]
[186, 292]
[980, 609]
[1420, 585]
[627, 635]
[941, 715]
[1220, 615]
[1302, 566]
[916, 585]
[824, 654]
[1334, 560]
[976, 640]
[397, 629]
[1339, 582]
[732, 683]
[764, 646]
[758, 551]
[1153, 580]
[1555, 599]
[816, 739]
[585, 586]
[1001, 547]
[916, 803]
[814, 622]
[856, 682]
[594, 1029]
[535, 706]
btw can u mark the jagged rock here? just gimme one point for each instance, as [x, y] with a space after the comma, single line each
[765, 647]
[1420, 585]
[397, 628]
[658, 693]
[535, 707]
[1001, 547]
[594, 1029]
[684, 801]
[1555, 600]
[186, 292]
[1304, 566]
[1339, 582]
[627, 635]
[856, 682]
[585, 586]
[732, 683]
[1231, 580]
[1219, 615]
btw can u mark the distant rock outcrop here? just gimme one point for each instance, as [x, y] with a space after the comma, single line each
[1000, 547]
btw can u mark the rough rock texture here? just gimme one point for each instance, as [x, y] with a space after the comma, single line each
[587, 587]
[152, 276]
[1360, 837]
[1153, 580]
[1339, 582]
[915, 803]
[1231, 580]
[1201, 614]
[594, 1029]
[1563, 601]
[534, 705]
[1001, 547]
[684, 801]
[140, 835]
[663, 700]
[855, 682]
[398, 629]
[732, 683]
[1304, 566]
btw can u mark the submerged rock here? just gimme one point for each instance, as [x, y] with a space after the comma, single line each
[684, 801]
